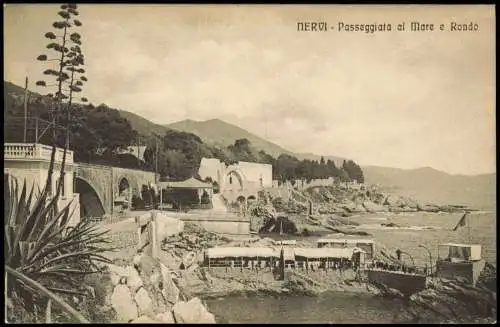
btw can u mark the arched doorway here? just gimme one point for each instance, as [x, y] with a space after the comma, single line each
[234, 181]
[90, 203]
[123, 187]
[251, 199]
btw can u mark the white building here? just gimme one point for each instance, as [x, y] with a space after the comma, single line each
[247, 175]
[30, 163]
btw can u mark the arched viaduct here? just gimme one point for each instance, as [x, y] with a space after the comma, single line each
[100, 186]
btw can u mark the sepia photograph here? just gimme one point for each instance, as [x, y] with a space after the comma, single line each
[238, 163]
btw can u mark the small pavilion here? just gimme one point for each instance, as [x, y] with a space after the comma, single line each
[188, 184]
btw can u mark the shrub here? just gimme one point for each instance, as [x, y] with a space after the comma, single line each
[39, 244]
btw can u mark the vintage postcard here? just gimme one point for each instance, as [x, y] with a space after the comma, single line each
[249, 163]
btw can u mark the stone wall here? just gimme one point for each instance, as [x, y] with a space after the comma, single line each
[105, 181]
[35, 174]
[406, 284]
[226, 227]
[99, 178]
[469, 271]
[303, 184]
[145, 290]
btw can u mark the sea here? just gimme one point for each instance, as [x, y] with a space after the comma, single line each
[414, 229]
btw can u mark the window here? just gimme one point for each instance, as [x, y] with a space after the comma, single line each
[230, 179]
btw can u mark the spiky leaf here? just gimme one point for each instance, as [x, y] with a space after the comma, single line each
[50, 35]
[59, 25]
[73, 11]
[64, 14]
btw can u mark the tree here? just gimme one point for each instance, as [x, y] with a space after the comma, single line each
[353, 171]
[242, 151]
[285, 167]
[68, 74]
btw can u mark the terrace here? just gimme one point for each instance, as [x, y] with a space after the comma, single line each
[34, 151]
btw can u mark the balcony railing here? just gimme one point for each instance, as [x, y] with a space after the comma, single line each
[34, 151]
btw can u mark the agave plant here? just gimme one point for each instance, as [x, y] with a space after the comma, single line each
[40, 244]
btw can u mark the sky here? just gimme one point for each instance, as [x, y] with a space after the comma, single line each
[396, 99]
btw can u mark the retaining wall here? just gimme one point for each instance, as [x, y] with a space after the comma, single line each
[467, 270]
[406, 284]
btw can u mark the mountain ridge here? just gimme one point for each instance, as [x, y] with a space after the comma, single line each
[425, 183]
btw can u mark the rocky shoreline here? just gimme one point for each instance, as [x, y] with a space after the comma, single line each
[164, 291]
[330, 207]
[344, 202]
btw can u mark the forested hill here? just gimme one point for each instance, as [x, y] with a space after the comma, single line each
[220, 133]
[99, 134]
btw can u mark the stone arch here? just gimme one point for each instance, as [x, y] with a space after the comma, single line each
[232, 177]
[131, 182]
[123, 186]
[240, 199]
[91, 204]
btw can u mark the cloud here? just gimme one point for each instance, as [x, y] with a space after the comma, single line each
[394, 99]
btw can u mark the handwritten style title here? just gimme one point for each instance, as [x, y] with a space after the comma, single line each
[414, 26]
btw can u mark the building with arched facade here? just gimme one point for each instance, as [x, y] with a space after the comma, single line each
[239, 179]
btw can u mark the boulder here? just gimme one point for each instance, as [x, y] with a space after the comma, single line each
[116, 272]
[144, 301]
[412, 203]
[396, 209]
[134, 281]
[394, 201]
[374, 207]
[170, 291]
[145, 320]
[360, 208]
[148, 264]
[123, 304]
[167, 226]
[378, 198]
[166, 317]
[428, 207]
[192, 312]
[349, 207]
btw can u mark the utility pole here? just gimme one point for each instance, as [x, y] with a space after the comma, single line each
[25, 107]
[36, 128]
[156, 161]
[138, 159]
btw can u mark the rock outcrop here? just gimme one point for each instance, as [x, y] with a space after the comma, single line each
[374, 207]
[123, 303]
[192, 312]
[148, 293]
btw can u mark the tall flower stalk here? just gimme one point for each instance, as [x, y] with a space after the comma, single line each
[68, 75]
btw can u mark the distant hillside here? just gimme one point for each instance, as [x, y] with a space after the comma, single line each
[425, 184]
[311, 156]
[218, 132]
[143, 125]
[428, 184]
